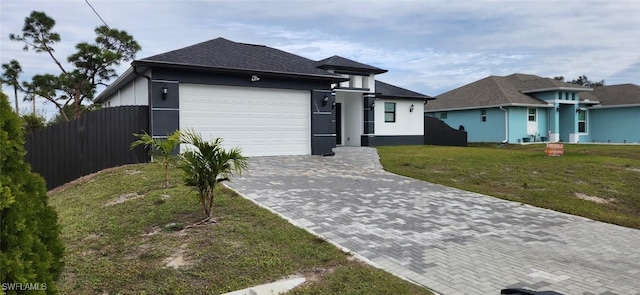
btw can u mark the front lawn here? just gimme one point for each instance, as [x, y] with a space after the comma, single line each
[122, 235]
[601, 182]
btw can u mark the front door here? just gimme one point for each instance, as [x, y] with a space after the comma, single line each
[338, 123]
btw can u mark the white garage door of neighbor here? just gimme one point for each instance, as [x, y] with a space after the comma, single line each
[261, 121]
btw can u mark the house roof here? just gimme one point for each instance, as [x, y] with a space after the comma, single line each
[224, 55]
[340, 63]
[614, 95]
[388, 90]
[496, 91]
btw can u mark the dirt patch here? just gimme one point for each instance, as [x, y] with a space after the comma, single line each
[123, 198]
[634, 169]
[593, 198]
[152, 232]
[179, 259]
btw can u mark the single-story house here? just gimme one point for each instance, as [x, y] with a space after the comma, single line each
[268, 101]
[522, 108]
[616, 118]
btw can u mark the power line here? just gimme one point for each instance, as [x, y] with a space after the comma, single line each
[100, 17]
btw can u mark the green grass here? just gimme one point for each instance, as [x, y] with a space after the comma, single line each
[123, 248]
[524, 173]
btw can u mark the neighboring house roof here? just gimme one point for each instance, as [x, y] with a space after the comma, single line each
[344, 64]
[614, 95]
[388, 90]
[225, 55]
[496, 91]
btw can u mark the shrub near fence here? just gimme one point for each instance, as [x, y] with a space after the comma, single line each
[99, 140]
[437, 132]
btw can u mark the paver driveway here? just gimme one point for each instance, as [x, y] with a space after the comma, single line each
[452, 241]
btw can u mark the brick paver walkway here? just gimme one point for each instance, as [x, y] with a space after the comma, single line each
[452, 241]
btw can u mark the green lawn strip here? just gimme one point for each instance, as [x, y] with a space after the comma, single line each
[116, 233]
[609, 174]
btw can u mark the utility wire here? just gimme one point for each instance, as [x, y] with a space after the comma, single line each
[94, 10]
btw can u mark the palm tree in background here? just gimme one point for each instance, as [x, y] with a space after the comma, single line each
[10, 76]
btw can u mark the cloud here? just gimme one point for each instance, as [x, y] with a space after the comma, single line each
[427, 46]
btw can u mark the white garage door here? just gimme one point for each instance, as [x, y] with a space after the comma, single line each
[261, 121]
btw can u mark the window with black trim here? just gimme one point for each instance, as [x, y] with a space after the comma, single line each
[532, 115]
[582, 121]
[389, 112]
[483, 115]
[443, 115]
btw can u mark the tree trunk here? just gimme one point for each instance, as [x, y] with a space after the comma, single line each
[166, 174]
[33, 101]
[204, 208]
[211, 204]
[15, 92]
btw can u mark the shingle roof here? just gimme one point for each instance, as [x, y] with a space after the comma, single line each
[226, 55]
[497, 91]
[623, 94]
[388, 90]
[341, 63]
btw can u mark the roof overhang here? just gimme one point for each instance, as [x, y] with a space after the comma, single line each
[597, 107]
[580, 89]
[423, 98]
[492, 106]
[328, 77]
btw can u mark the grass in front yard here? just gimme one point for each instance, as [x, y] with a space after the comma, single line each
[122, 235]
[601, 182]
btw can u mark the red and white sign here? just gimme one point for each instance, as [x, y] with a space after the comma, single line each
[555, 149]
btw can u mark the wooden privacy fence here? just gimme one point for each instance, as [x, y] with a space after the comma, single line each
[99, 140]
[437, 132]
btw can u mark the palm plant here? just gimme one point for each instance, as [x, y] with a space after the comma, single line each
[206, 163]
[160, 147]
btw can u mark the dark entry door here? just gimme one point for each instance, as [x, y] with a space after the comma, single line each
[338, 123]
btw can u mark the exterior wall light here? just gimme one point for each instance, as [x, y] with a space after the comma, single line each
[411, 108]
[325, 100]
[373, 105]
[255, 78]
[165, 91]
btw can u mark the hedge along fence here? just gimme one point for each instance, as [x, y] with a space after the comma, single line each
[98, 140]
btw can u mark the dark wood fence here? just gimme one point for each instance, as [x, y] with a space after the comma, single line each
[437, 132]
[99, 140]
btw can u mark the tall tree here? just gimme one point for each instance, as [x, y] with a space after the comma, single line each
[91, 65]
[582, 80]
[10, 76]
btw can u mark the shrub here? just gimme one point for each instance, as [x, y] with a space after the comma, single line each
[30, 247]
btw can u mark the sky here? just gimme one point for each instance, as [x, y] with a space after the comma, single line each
[427, 46]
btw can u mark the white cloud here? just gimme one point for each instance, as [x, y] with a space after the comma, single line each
[427, 46]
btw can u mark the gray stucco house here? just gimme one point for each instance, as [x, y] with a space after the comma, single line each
[268, 101]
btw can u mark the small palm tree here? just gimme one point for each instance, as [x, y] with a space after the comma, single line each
[160, 147]
[206, 163]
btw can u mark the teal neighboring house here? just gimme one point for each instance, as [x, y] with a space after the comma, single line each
[528, 108]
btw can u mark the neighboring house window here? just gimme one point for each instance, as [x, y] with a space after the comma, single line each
[443, 115]
[566, 95]
[390, 112]
[582, 122]
[573, 96]
[560, 95]
[483, 115]
[532, 115]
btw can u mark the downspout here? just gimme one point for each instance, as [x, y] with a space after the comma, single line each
[135, 71]
[506, 125]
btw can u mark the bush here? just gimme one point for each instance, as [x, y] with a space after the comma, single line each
[30, 247]
[33, 122]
